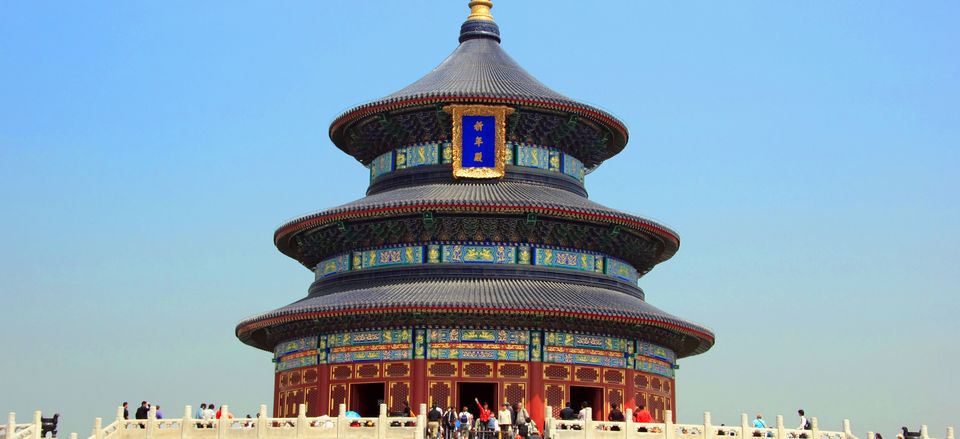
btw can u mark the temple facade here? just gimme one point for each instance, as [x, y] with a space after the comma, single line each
[475, 266]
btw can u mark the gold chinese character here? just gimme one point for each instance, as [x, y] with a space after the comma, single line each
[478, 141]
[478, 157]
[478, 126]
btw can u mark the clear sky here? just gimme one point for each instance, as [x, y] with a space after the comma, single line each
[807, 153]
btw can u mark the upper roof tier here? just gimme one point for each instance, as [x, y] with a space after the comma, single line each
[479, 71]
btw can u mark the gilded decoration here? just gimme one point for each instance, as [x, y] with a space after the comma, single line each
[479, 140]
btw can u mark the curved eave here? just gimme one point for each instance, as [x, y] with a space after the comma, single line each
[616, 143]
[322, 218]
[246, 327]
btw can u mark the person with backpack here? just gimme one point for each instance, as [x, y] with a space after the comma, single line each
[464, 419]
[804, 422]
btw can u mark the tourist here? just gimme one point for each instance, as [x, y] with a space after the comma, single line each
[567, 414]
[642, 415]
[142, 412]
[465, 417]
[521, 419]
[208, 414]
[449, 423]
[433, 422]
[505, 418]
[249, 422]
[804, 422]
[582, 416]
[523, 426]
[759, 422]
[615, 414]
[199, 414]
[126, 410]
[407, 411]
[159, 413]
[485, 414]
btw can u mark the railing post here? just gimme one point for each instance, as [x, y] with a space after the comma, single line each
[37, 425]
[382, 422]
[547, 422]
[98, 428]
[224, 422]
[923, 432]
[745, 427]
[815, 428]
[301, 420]
[871, 435]
[847, 433]
[949, 432]
[422, 421]
[151, 418]
[120, 419]
[707, 426]
[262, 422]
[342, 421]
[73, 436]
[781, 434]
[187, 421]
[669, 431]
[628, 426]
[589, 427]
[11, 424]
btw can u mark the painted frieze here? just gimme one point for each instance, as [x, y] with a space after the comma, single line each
[334, 265]
[485, 254]
[385, 257]
[550, 257]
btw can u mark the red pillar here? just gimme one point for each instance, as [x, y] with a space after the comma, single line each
[419, 382]
[630, 399]
[323, 389]
[276, 395]
[537, 405]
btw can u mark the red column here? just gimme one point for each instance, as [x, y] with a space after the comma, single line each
[323, 389]
[276, 395]
[419, 382]
[630, 399]
[536, 405]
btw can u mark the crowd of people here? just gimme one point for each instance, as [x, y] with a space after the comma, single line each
[511, 422]
[205, 414]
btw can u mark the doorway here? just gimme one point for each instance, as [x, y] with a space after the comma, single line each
[366, 398]
[485, 392]
[592, 395]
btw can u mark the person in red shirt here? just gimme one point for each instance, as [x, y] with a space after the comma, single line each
[484, 414]
[642, 415]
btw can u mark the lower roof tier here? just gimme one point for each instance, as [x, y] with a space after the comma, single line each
[491, 302]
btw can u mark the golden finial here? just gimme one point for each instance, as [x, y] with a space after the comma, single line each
[480, 10]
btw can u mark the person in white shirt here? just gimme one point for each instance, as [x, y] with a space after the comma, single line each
[804, 423]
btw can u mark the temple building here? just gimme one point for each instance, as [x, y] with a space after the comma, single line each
[475, 266]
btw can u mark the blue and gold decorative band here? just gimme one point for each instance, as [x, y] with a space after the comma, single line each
[437, 153]
[475, 344]
[478, 253]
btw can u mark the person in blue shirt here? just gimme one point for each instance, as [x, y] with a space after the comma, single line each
[199, 414]
[759, 422]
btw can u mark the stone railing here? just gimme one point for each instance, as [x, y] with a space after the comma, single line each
[263, 427]
[384, 427]
[590, 429]
[12, 430]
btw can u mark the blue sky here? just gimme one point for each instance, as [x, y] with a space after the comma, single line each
[807, 153]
